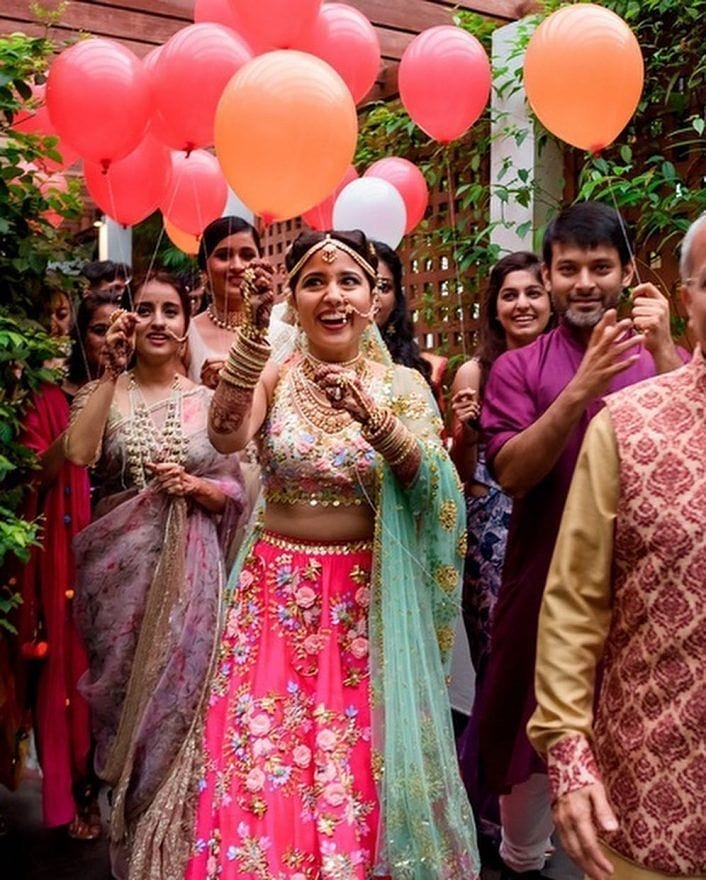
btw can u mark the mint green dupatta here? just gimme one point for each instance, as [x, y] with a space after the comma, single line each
[426, 830]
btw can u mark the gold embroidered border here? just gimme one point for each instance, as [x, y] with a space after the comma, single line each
[330, 548]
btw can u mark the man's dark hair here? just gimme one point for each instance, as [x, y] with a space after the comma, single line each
[105, 270]
[587, 225]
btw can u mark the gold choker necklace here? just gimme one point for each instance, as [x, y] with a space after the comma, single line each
[231, 326]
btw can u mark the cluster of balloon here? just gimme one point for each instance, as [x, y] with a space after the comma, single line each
[283, 123]
[583, 74]
[444, 81]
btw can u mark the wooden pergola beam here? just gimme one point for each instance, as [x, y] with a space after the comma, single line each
[143, 24]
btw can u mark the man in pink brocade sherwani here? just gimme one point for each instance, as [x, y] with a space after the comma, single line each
[627, 588]
[539, 401]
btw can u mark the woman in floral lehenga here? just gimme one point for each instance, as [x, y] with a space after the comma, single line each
[150, 568]
[328, 748]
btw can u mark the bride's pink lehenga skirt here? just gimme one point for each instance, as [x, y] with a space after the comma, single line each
[288, 790]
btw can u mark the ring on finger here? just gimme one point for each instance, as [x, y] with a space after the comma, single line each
[337, 392]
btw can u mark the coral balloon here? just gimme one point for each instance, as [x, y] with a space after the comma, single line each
[197, 192]
[188, 77]
[133, 187]
[409, 181]
[343, 37]
[583, 75]
[183, 240]
[286, 130]
[373, 205]
[444, 79]
[321, 216]
[275, 24]
[99, 99]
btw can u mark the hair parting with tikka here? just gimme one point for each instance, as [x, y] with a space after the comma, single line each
[354, 244]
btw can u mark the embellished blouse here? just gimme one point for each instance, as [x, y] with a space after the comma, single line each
[312, 454]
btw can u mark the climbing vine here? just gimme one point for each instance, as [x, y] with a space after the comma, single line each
[655, 173]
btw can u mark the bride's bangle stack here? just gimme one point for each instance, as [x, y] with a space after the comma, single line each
[388, 436]
[246, 361]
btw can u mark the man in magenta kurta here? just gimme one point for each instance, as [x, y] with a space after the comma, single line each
[538, 403]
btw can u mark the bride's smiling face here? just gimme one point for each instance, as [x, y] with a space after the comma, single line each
[329, 297]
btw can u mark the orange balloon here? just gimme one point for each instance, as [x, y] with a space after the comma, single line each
[285, 131]
[583, 75]
[185, 241]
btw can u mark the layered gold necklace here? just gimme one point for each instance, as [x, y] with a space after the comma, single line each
[148, 443]
[312, 403]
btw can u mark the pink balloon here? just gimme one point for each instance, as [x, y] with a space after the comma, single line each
[275, 24]
[409, 181]
[216, 11]
[197, 192]
[188, 76]
[444, 80]
[133, 187]
[320, 217]
[344, 38]
[36, 120]
[99, 99]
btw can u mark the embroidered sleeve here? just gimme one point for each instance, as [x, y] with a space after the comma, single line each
[571, 765]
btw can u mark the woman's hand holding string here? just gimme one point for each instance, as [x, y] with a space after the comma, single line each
[258, 297]
[119, 342]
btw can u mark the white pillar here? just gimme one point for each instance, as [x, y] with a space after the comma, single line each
[114, 242]
[545, 167]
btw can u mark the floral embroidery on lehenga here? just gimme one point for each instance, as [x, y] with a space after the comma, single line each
[287, 792]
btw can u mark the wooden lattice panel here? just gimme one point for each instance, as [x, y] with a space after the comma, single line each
[441, 301]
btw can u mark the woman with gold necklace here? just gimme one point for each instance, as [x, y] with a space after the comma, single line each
[328, 750]
[228, 246]
[150, 565]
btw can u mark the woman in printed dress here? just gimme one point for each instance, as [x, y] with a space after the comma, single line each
[515, 310]
[328, 750]
[150, 570]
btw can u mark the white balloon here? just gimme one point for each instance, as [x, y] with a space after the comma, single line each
[235, 208]
[373, 205]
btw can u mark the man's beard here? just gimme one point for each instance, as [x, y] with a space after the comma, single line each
[583, 319]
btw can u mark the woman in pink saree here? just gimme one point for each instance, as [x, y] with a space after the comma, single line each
[150, 565]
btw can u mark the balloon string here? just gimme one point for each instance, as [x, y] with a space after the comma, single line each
[451, 188]
[624, 230]
[126, 259]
